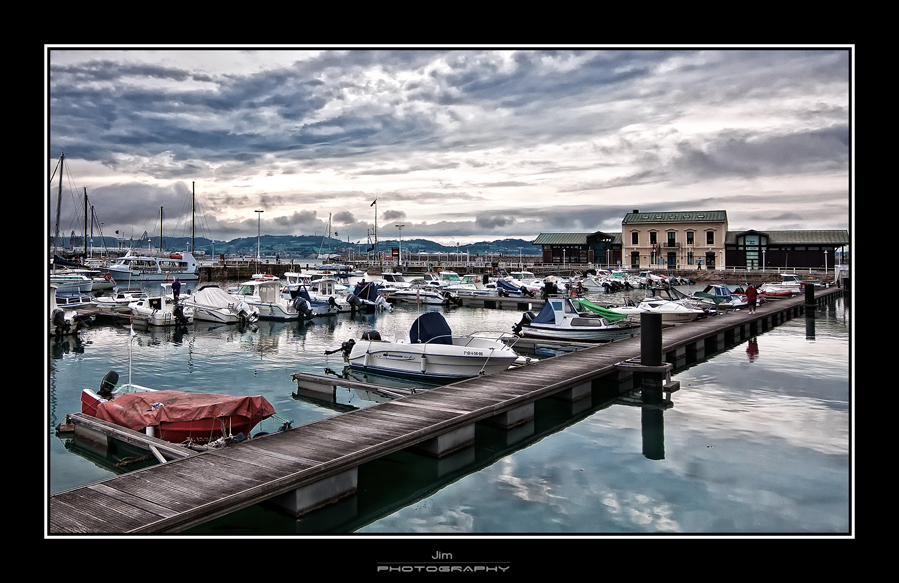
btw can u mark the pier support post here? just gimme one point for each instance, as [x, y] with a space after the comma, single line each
[321, 493]
[651, 355]
[810, 303]
[447, 443]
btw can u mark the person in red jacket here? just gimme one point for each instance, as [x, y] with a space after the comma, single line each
[751, 297]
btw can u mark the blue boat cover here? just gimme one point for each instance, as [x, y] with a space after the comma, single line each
[547, 315]
[431, 326]
[503, 284]
[366, 291]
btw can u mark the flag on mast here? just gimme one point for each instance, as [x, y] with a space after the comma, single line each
[373, 202]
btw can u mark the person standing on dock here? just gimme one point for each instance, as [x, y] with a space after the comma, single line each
[751, 298]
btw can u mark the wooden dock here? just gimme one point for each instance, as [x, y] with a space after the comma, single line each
[312, 465]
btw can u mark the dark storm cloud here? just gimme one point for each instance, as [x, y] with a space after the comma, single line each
[419, 128]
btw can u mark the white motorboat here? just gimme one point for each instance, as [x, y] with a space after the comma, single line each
[430, 351]
[671, 312]
[211, 303]
[122, 297]
[155, 268]
[424, 294]
[265, 296]
[560, 319]
[161, 310]
[392, 281]
[70, 282]
[674, 306]
[789, 283]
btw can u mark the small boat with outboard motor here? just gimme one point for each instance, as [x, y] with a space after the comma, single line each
[429, 350]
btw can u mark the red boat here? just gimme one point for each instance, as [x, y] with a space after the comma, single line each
[174, 416]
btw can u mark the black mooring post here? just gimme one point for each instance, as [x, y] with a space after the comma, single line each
[651, 339]
[810, 296]
[651, 355]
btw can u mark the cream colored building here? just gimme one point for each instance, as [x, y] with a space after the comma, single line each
[674, 240]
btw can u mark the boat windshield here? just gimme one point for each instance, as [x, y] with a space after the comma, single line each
[247, 290]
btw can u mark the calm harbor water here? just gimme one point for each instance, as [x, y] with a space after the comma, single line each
[758, 440]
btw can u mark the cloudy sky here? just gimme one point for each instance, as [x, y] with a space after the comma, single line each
[457, 144]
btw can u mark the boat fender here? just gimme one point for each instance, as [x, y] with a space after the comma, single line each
[107, 385]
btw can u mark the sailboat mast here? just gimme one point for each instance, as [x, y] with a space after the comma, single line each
[160, 230]
[58, 203]
[85, 222]
[193, 216]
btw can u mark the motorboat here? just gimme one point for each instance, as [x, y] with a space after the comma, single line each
[121, 297]
[132, 267]
[424, 294]
[312, 302]
[72, 300]
[211, 303]
[392, 281]
[561, 319]
[789, 282]
[429, 350]
[70, 282]
[671, 311]
[64, 320]
[161, 310]
[265, 296]
[174, 416]
[721, 297]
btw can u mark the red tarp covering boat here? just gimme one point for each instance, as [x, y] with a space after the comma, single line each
[176, 416]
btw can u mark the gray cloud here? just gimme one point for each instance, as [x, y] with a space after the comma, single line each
[455, 143]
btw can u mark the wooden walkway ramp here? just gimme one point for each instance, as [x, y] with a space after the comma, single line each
[180, 494]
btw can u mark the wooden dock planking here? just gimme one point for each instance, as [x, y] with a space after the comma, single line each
[177, 495]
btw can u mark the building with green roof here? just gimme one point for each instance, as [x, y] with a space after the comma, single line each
[692, 240]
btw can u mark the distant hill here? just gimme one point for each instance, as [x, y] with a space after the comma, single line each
[306, 245]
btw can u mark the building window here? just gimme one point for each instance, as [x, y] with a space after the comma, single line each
[652, 238]
[690, 240]
[690, 258]
[710, 238]
[635, 238]
[671, 239]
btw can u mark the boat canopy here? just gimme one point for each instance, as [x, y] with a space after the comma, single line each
[604, 312]
[431, 327]
[143, 409]
[366, 291]
[506, 285]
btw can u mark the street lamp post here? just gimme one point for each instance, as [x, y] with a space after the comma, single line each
[400, 262]
[258, 233]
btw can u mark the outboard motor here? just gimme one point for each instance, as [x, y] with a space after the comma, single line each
[525, 320]
[354, 301]
[178, 312]
[346, 348]
[59, 321]
[107, 385]
[371, 335]
[332, 302]
[303, 307]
